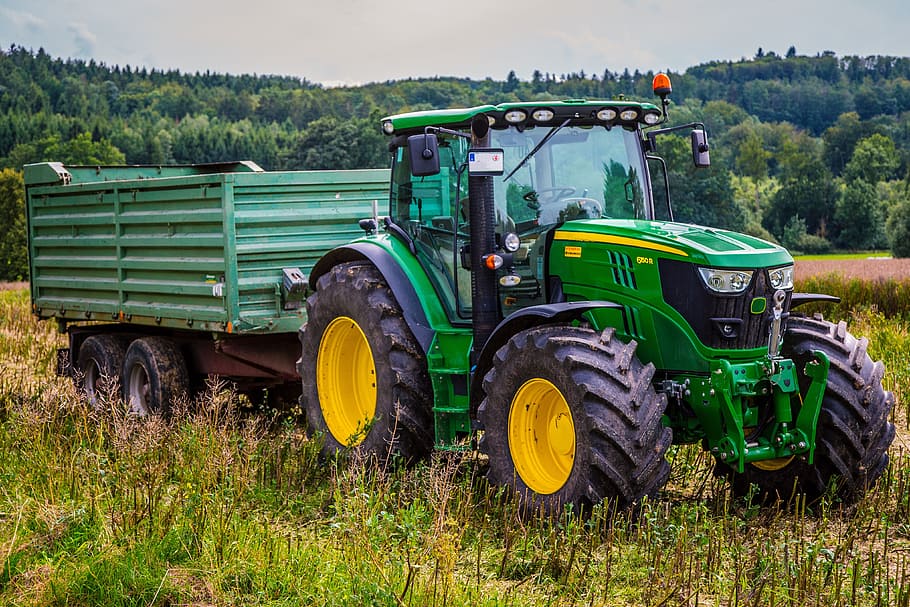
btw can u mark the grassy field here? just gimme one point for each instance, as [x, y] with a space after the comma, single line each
[215, 507]
[845, 256]
[879, 285]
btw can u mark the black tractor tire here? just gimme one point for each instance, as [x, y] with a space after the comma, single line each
[99, 363]
[620, 441]
[853, 432]
[372, 384]
[154, 376]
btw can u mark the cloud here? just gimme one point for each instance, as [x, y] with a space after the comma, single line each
[23, 20]
[84, 39]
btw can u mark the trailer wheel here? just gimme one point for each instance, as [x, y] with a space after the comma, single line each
[570, 417]
[364, 376]
[100, 360]
[154, 376]
[853, 432]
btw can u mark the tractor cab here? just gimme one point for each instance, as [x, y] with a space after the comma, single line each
[569, 161]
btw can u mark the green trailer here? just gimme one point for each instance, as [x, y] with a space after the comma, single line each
[205, 264]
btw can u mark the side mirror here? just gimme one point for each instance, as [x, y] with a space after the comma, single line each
[423, 152]
[701, 155]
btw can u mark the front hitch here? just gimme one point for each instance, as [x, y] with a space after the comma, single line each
[746, 410]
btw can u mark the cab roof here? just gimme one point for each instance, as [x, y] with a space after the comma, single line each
[583, 112]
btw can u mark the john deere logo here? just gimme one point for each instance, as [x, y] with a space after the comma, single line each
[759, 305]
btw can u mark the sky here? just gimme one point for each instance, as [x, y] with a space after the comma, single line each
[338, 42]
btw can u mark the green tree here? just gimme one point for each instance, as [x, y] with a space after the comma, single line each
[796, 239]
[812, 194]
[79, 150]
[754, 197]
[512, 82]
[898, 229]
[752, 158]
[330, 143]
[840, 138]
[874, 159]
[860, 217]
[13, 248]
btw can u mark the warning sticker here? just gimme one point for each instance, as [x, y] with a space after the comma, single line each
[572, 251]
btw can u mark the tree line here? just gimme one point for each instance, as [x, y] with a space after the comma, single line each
[810, 151]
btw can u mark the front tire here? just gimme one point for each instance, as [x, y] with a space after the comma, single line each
[570, 417]
[853, 432]
[365, 379]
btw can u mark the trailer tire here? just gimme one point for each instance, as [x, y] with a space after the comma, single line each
[99, 363]
[614, 445]
[853, 432]
[364, 376]
[154, 376]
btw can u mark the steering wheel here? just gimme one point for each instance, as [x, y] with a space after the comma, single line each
[580, 207]
[591, 206]
[555, 193]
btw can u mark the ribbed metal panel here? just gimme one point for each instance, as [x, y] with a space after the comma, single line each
[292, 221]
[189, 251]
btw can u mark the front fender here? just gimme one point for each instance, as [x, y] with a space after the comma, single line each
[799, 299]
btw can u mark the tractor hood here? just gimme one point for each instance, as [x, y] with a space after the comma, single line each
[704, 246]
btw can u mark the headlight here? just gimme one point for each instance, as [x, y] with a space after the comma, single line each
[726, 281]
[511, 242]
[651, 118]
[781, 278]
[543, 115]
[515, 116]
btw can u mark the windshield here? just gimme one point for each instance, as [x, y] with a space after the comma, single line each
[577, 173]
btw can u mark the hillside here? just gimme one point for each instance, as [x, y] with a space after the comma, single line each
[785, 130]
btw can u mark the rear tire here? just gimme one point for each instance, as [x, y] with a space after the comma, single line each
[154, 376]
[853, 432]
[364, 376]
[100, 361]
[570, 417]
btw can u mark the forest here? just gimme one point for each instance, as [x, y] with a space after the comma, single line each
[812, 152]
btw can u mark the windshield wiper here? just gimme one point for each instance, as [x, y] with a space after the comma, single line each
[537, 147]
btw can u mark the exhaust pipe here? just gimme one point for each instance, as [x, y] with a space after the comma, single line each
[482, 217]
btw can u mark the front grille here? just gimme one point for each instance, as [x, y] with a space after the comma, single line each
[709, 313]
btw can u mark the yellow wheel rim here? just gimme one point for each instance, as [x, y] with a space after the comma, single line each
[541, 436]
[346, 381]
[773, 464]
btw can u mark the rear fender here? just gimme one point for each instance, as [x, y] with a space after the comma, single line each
[391, 270]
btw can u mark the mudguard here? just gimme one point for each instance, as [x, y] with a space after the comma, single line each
[799, 299]
[393, 274]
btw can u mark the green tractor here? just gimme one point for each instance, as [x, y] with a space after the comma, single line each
[526, 289]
